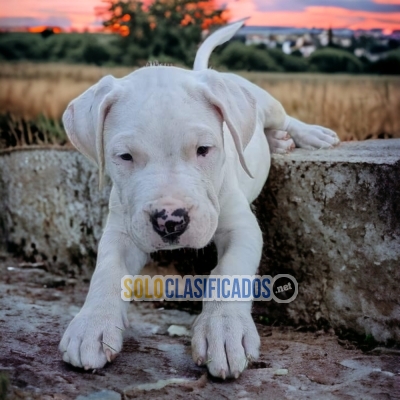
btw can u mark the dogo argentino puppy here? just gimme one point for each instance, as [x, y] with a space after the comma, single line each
[195, 147]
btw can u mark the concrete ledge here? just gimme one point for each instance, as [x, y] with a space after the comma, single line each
[330, 218]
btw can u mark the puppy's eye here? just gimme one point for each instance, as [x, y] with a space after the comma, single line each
[203, 150]
[126, 157]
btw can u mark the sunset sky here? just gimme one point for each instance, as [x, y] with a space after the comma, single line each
[353, 14]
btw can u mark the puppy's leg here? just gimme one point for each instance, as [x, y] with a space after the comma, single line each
[94, 336]
[224, 334]
[270, 111]
[274, 117]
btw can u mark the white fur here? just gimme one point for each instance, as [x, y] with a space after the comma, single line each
[161, 115]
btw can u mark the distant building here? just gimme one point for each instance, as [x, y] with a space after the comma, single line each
[289, 39]
[306, 41]
[376, 32]
[372, 57]
[269, 41]
[395, 34]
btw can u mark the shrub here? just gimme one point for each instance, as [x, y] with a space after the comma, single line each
[22, 46]
[95, 53]
[288, 63]
[61, 47]
[238, 56]
[78, 48]
[390, 65]
[335, 60]
[134, 55]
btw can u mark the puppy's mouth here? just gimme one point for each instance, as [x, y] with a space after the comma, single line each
[169, 247]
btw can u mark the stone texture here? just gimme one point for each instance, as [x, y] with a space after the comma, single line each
[51, 208]
[330, 218]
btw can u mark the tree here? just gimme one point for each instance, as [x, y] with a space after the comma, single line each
[170, 28]
[330, 37]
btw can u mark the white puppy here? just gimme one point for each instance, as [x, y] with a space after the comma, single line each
[187, 153]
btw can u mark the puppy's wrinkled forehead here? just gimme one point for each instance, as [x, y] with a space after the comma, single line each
[155, 99]
[161, 88]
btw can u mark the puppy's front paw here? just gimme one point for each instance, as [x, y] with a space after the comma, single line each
[313, 137]
[92, 338]
[279, 141]
[225, 339]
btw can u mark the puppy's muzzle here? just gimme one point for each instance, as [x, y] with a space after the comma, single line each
[170, 224]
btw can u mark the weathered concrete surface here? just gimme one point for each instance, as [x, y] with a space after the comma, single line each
[51, 208]
[36, 306]
[330, 218]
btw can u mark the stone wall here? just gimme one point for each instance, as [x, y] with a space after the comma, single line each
[51, 208]
[330, 218]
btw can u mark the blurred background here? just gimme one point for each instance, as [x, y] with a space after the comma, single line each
[330, 62]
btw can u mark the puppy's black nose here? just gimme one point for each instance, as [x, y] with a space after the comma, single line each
[170, 225]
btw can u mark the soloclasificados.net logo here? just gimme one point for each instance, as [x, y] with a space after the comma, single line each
[282, 288]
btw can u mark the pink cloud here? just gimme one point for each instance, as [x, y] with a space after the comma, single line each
[316, 16]
[387, 1]
[82, 14]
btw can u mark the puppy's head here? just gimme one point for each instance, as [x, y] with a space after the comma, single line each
[159, 133]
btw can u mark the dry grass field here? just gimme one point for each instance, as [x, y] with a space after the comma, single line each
[357, 107]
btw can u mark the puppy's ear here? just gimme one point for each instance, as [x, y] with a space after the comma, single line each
[84, 120]
[236, 105]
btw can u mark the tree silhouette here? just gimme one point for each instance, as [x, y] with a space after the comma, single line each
[330, 37]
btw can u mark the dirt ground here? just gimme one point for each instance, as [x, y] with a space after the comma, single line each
[35, 308]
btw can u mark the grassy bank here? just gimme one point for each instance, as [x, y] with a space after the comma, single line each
[356, 107]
